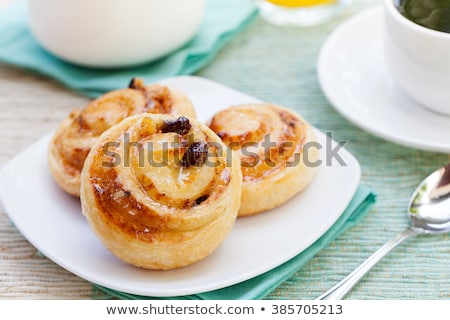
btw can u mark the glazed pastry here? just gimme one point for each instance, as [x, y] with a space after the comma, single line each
[270, 142]
[78, 132]
[159, 191]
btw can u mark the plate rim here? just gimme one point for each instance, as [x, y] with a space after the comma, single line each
[324, 53]
[169, 292]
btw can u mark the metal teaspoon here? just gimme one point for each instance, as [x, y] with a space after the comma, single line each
[428, 212]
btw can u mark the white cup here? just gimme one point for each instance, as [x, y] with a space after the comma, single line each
[419, 59]
[113, 33]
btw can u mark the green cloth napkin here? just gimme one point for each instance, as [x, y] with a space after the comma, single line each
[260, 286]
[223, 19]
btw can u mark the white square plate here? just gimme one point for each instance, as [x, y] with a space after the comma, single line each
[52, 221]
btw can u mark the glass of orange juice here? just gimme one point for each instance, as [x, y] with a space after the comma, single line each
[300, 12]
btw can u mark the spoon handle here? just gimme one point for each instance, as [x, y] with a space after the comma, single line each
[345, 285]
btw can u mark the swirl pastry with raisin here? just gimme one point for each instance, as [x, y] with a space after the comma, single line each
[159, 191]
[270, 141]
[77, 133]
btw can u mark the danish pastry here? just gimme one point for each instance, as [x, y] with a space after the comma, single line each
[159, 191]
[78, 132]
[270, 141]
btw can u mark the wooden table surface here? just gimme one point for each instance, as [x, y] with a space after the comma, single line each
[29, 107]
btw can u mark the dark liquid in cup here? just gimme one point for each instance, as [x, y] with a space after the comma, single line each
[432, 14]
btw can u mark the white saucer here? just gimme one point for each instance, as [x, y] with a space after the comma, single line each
[356, 81]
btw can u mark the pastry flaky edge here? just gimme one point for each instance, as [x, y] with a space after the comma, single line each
[276, 188]
[68, 178]
[196, 238]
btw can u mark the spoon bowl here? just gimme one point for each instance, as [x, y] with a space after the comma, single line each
[428, 212]
[429, 208]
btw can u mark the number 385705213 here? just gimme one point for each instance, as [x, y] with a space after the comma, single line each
[306, 309]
